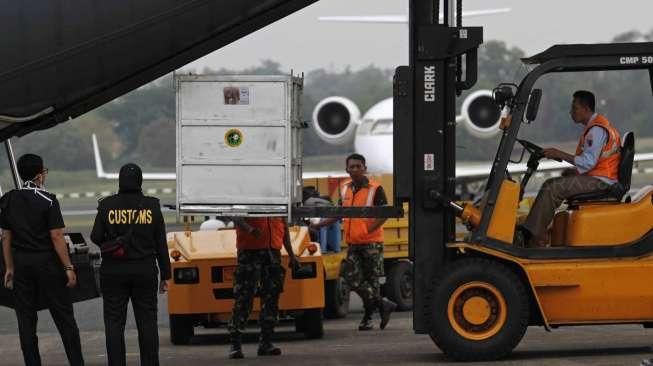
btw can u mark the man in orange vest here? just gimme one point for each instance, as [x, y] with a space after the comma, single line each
[596, 160]
[364, 263]
[259, 241]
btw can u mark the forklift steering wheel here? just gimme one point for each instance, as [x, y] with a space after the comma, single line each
[531, 147]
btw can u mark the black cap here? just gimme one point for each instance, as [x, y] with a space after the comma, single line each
[130, 178]
[29, 166]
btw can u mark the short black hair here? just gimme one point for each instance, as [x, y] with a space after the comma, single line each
[586, 98]
[355, 156]
[130, 178]
[29, 166]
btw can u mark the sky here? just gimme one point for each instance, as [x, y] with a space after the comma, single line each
[302, 43]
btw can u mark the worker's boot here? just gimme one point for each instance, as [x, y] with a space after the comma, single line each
[265, 346]
[236, 350]
[386, 307]
[366, 322]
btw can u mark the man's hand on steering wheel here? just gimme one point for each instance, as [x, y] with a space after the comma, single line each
[555, 154]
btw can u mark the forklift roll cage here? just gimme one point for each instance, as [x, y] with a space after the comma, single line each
[561, 58]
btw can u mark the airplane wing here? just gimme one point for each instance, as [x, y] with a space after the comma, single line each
[464, 171]
[403, 19]
[99, 169]
[480, 171]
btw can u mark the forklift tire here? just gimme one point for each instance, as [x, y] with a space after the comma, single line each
[479, 310]
[336, 299]
[181, 329]
[399, 285]
[310, 323]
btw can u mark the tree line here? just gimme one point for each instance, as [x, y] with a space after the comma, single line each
[140, 126]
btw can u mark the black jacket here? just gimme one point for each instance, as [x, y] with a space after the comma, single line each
[117, 213]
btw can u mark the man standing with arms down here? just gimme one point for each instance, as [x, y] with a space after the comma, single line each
[37, 261]
[129, 272]
[364, 263]
[259, 241]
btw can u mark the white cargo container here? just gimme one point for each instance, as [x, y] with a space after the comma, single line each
[239, 145]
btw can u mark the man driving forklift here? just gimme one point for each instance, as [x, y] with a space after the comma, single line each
[596, 160]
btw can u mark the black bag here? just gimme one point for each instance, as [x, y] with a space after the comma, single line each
[118, 247]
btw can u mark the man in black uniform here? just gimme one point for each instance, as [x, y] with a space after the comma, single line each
[138, 220]
[37, 261]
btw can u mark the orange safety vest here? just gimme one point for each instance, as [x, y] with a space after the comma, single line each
[272, 231]
[608, 163]
[356, 228]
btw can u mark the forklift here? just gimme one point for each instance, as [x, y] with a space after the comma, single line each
[476, 297]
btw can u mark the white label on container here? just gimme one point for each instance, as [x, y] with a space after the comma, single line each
[429, 162]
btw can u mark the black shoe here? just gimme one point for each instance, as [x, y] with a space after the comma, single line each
[236, 352]
[267, 349]
[386, 308]
[647, 362]
[366, 323]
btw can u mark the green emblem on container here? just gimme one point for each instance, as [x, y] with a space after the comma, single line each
[233, 137]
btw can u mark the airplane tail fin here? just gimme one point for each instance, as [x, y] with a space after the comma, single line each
[99, 169]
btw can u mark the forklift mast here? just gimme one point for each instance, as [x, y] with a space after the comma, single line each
[424, 135]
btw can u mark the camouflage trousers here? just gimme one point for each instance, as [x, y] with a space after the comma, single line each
[260, 273]
[361, 271]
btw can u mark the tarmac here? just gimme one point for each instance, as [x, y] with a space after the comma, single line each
[342, 344]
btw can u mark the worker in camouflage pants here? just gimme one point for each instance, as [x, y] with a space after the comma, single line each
[361, 271]
[259, 242]
[363, 266]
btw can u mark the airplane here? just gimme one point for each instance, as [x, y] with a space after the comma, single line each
[337, 121]
[464, 172]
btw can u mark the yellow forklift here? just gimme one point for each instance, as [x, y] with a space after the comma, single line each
[477, 296]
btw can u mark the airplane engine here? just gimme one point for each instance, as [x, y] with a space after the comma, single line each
[335, 120]
[480, 114]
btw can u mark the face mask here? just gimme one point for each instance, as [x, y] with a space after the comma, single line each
[32, 185]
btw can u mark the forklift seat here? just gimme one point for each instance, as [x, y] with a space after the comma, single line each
[617, 191]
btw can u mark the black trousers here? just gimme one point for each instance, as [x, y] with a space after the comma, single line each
[140, 286]
[40, 277]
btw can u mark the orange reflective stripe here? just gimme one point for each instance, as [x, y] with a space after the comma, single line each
[370, 196]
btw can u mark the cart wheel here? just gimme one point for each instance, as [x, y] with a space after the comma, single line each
[336, 295]
[399, 285]
[181, 329]
[480, 310]
[310, 323]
